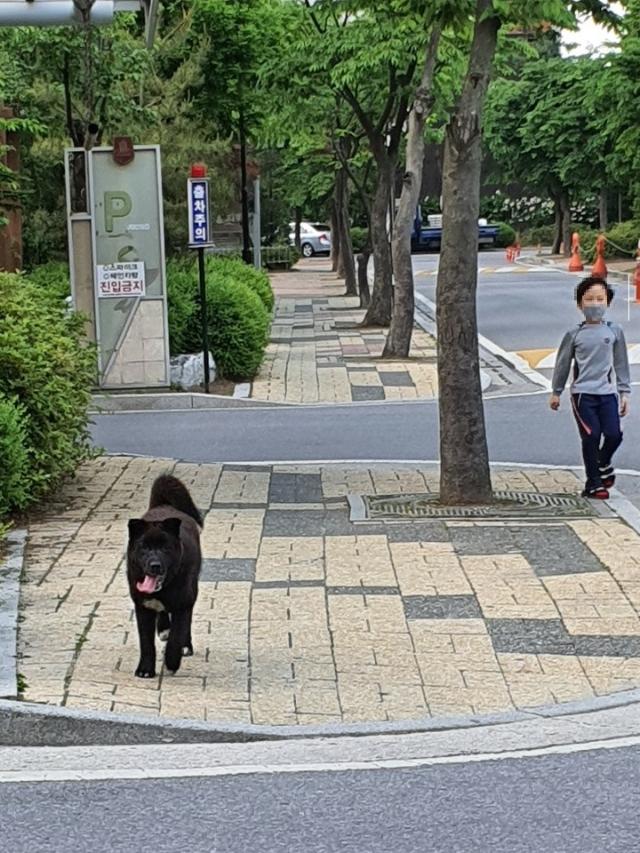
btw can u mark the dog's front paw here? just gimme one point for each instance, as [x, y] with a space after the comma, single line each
[163, 635]
[187, 651]
[146, 670]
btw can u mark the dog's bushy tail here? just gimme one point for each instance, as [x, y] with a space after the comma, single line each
[169, 491]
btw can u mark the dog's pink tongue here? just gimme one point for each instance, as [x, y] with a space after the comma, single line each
[147, 585]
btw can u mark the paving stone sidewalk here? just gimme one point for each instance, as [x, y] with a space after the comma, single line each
[318, 353]
[305, 617]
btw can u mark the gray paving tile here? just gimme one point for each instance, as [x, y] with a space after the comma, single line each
[479, 541]
[360, 393]
[286, 584]
[283, 522]
[228, 570]
[417, 531]
[441, 607]
[363, 590]
[396, 379]
[550, 637]
[556, 551]
[530, 636]
[295, 488]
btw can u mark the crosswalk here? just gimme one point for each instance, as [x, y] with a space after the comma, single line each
[545, 359]
[511, 269]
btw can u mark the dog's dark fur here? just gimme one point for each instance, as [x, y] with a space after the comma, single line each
[163, 565]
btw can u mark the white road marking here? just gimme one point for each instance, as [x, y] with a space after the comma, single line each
[90, 769]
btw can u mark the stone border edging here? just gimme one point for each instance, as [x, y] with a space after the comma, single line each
[103, 404]
[10, 571]
[30, 724]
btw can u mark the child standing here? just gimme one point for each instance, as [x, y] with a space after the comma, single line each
[598, 351]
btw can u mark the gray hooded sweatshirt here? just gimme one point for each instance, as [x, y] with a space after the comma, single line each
[600, 361]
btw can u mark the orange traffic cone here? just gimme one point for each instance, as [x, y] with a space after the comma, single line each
[575, 264]
[599, 268]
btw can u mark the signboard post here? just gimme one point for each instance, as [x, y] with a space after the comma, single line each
[199, 238]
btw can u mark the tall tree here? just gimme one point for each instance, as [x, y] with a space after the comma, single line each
[465, 475]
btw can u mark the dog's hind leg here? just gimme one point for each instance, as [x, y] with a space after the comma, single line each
[178, 634]
[163, 625]
[187, 648]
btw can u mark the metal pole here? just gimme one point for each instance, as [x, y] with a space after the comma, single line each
[246, 243]
[257, 227]
[203, 317]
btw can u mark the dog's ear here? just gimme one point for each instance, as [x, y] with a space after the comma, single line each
[137, 527]
[171, 526]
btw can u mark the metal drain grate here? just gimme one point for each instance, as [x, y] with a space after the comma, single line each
[507, 505]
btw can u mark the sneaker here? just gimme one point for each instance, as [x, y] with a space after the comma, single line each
[608, 476]
[599, 493]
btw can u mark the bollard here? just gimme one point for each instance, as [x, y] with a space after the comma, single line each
[636, 275]
[599, 268]
[575, 262]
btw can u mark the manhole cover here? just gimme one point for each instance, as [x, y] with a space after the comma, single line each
[507, 505]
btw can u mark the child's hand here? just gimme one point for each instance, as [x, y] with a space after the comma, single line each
[624, 405]
[554, 402]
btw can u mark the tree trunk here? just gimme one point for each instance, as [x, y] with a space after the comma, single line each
[363, 278]
[347, 262]
[379, 310]
[557, 240]
[335, 239]
[465, 477]
[603, 209]
[565, 208]
[298, 218]
[398, 343]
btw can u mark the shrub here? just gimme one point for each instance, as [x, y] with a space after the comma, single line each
[256, 280]
[237, 319]
[49, 371]
[506, 235]
[359, 237]
[182, 299]
[543, 235]
[623, 239]
[14, 459]
[53, 279]
[279, 257]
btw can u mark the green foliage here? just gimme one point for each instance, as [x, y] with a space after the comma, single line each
[237, 319]
[53, 279]
[279, 257]
[14, 461]
[46, 367]
[359, 238]
[506, 235]
[542, 235]
[622, 239]
[237, 270]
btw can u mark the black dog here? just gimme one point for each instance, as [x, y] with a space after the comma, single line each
[163, 565]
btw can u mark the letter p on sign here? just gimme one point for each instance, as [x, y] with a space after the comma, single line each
[116, 205]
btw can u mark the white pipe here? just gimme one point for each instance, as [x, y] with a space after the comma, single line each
[52, 13]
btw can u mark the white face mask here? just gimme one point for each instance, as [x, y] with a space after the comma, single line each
[594, 312]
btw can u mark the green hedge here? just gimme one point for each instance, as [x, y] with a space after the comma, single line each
[626, 236]
[14, 460]
[506, 235]
[53, 279]
[237, 317]
[47, 371]
[235, 270]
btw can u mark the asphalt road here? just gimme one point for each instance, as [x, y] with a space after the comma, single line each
[577, 803]
[520, 429]
[522, 311]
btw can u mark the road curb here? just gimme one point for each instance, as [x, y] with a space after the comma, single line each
[103, 404]
[10, 571]
[29, 724]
